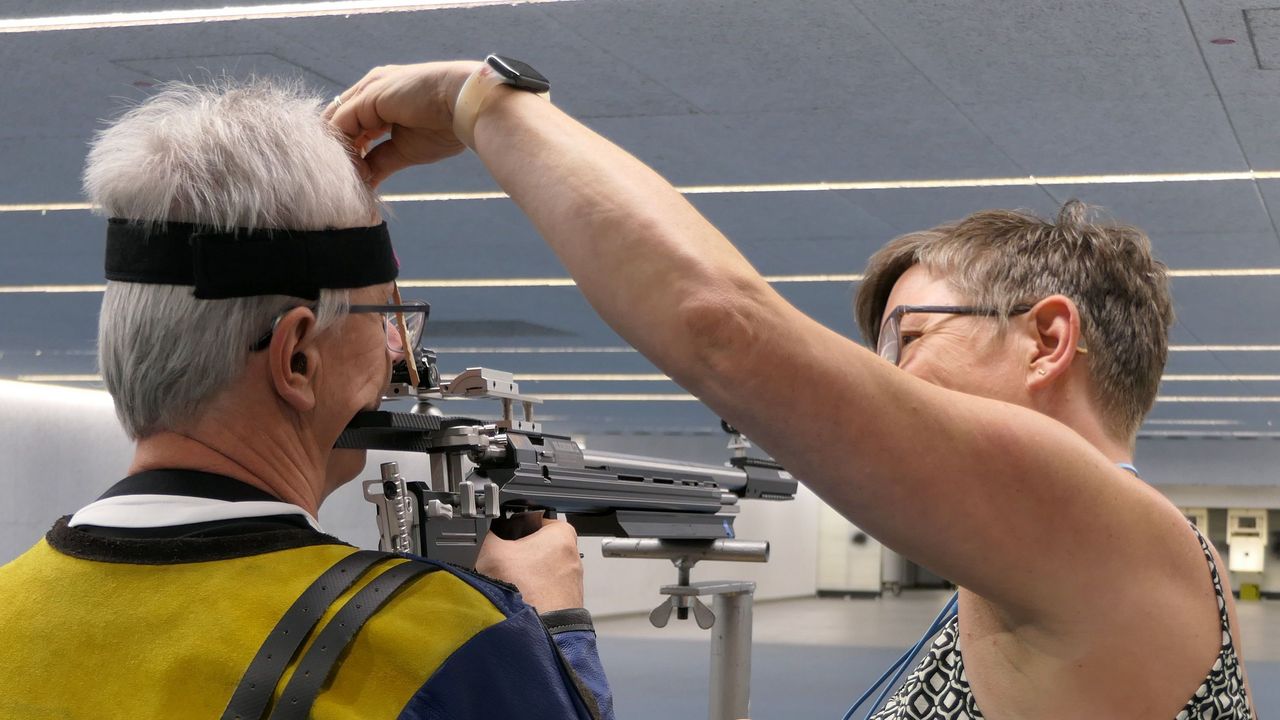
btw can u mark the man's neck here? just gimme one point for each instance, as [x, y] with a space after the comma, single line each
[264, 462]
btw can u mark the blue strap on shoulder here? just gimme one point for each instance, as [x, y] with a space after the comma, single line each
[904, 662]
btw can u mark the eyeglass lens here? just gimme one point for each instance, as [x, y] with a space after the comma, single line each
[413, 325]
[888, 344]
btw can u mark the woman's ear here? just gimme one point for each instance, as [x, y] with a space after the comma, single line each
[292, 359]
[1055, 326]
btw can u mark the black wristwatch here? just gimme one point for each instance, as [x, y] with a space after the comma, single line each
[519, 74]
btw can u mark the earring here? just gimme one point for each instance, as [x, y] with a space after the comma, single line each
[1040, 371]
[298, 363]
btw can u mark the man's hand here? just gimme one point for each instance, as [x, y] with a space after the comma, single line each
[545, 565]
[414, 103]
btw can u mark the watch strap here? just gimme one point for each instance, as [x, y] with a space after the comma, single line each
[466, 109]
[476, 92]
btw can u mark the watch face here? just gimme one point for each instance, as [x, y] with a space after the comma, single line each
[519, 74]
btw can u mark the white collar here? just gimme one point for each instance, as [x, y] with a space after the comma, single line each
[150, 511]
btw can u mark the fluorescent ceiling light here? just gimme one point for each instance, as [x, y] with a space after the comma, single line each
[246, 12]
[659, 377]
[1218, 399]
[1015, 181]
[556, 282]
[1225, 272]
[532, 350]
[592, 377]
[632, 377]
[820, 186]
[1192, 422]
[43, 208]
[1208, 433]
[1224, 348]
[665, 397]
[20, 289]
[59, 378]
[1221, 378]
[487, 283]
[619, 397]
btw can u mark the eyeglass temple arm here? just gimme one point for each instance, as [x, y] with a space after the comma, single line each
[404, 337]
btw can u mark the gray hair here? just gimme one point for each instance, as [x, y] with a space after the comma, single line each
[255, 155]
[1003, 258]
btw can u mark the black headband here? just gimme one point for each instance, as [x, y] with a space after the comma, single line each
[245, 262]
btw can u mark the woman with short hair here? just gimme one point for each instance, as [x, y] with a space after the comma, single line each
[991, 440]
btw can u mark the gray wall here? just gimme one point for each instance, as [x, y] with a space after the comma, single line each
[59, 448]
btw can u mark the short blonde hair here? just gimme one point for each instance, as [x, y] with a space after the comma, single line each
[1004, 258]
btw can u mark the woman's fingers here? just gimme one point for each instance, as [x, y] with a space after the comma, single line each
[383, 160]
[413, 104]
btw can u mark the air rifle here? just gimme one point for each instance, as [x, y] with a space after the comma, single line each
[485, 472]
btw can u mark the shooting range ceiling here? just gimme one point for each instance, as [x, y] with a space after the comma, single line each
[1163, 112]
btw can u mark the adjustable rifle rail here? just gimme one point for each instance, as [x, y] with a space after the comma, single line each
[481, 472]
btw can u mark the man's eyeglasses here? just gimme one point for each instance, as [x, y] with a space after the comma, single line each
[414, 312]
[890, 342]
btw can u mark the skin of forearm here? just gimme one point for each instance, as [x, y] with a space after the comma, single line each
[693, 305]
[595, 204]
[689, 300]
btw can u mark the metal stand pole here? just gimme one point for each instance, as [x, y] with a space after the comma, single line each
[731, 655]
[729, 618]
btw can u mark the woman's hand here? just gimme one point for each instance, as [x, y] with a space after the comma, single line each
[414, 103]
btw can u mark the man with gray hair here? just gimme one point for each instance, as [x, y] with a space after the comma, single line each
[252, 312]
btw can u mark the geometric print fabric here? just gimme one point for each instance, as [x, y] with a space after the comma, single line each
[938, 689]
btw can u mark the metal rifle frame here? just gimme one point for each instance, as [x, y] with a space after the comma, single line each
[648, 507]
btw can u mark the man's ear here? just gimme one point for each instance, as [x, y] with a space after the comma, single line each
[1055, 327]
[292, 359]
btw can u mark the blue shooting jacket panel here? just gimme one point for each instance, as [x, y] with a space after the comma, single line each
[516, 669]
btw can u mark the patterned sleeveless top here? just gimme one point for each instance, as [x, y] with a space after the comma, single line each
[938, 689]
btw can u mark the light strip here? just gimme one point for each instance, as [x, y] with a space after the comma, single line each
[20, 289]
[442, 196]
[931, 184]
[637, 377]
[1225, 272]
[569, 282]
[1221, 378]
[620, 397]
[1191, 422]
[593, 377]
[443, 283]
[671, 397]
[487, 283]
[1015, 181]
[529, 377]
[1218, 399]
[1192, 434]
[248, 12]
[1224, 348]
[532, 350]
[554, 282]
[43, 208]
